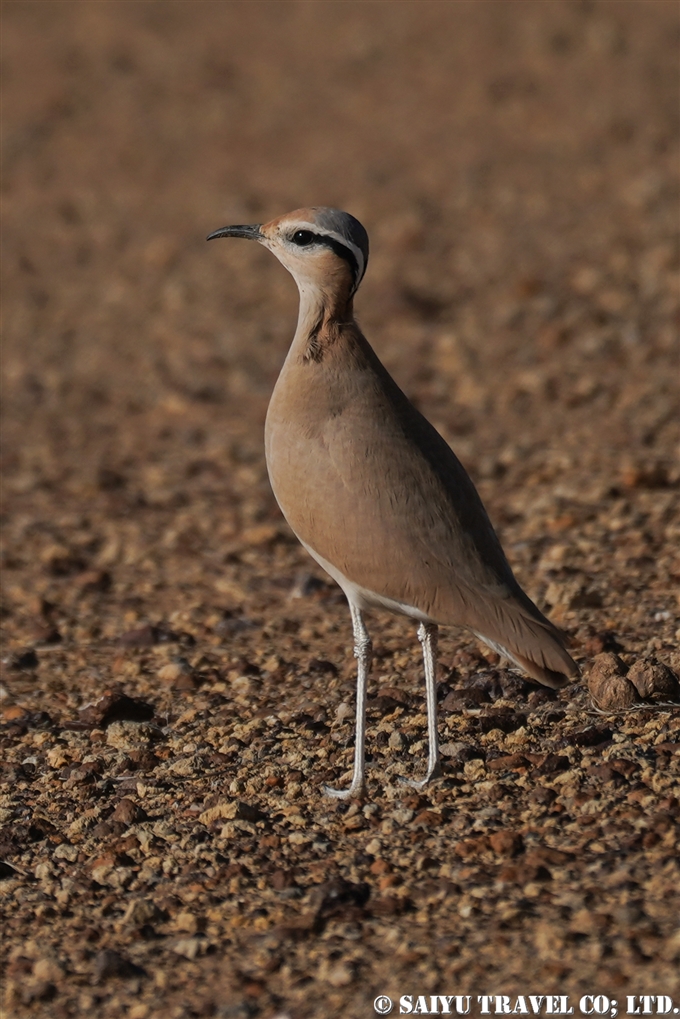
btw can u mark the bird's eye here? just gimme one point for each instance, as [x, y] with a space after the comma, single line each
[302, 238]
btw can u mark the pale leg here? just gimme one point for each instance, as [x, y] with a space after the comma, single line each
[362, 652]
[427, 635]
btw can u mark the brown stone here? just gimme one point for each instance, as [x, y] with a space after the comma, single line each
[509, 762]
[429, 818]
[115, 706]
[380, 866]
[608, 685]
[389, 881]
[391, 905]
[281, 879]
[144, 636]
[128, 812]
[546, 855]
[109, 963]
[506, 843]
[542, 795]
[14, 711]
[653, 677]
[467, 848]
[552, 764]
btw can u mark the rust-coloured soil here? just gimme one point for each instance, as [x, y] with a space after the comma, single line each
[177, 675]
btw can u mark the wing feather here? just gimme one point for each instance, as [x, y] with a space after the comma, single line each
[412, 528]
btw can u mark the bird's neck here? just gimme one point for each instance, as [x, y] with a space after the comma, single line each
[321, 317]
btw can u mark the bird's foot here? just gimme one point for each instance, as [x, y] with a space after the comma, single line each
[419, 783]
[356, 789]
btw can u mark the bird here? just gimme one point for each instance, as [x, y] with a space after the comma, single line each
[371, 489]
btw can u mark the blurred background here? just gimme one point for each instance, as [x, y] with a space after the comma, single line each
[515, 165]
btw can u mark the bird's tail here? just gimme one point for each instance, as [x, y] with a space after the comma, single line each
[538, 648]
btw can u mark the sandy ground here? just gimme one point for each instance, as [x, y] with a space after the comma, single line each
[177, 675]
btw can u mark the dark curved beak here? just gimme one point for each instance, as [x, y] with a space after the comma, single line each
[250, 233]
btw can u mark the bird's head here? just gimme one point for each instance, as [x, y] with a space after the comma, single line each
[325, 250]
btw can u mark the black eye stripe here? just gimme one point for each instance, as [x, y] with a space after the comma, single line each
[342, 251]
[336, 246]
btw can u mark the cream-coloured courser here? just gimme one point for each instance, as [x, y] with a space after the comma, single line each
[372, 490]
